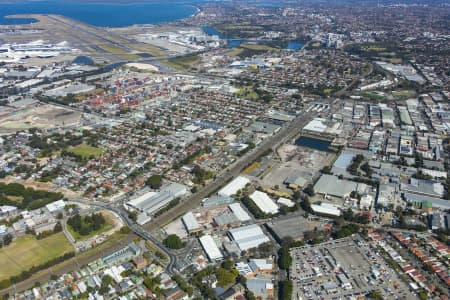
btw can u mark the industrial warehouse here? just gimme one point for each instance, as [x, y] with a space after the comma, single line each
[150, 202]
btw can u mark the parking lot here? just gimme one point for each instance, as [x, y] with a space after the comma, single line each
[343, 269]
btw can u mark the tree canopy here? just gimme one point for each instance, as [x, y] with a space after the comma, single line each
[84, 225]
[173, 241]
[154, 181]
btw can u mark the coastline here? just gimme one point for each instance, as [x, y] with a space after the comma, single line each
[190, 11]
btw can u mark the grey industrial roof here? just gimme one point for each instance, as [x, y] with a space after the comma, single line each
[435, 201]
[217, 200]
[225, 219]
[344, 160]
[264, 127]
[247, 237]
[259, 286]
[425, 187]
[293, 226]
[333, 186]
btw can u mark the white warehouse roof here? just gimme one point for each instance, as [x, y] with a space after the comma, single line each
[151, 202]
[247, 237]
[137, 202]
[326, 209]
[263, 201]
[233, 187]
[286, 201]
[190, 222]
[210, 248]
[239, 212]
[56, 206]
[316, 125]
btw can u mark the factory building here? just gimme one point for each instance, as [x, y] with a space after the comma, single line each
[234, 186]
[248, 237]
[151, 202]
[264, 203]
[210, 248]
[190, 222]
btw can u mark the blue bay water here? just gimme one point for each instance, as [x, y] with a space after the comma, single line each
[105, 14]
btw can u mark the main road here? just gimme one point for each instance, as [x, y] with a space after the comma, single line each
[138, 230]
[286, 133]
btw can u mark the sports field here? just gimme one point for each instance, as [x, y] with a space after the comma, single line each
[27, 251]
[86, 151]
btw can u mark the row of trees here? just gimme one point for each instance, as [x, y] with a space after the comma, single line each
[284, 256]
[171, 205]
[285, 291]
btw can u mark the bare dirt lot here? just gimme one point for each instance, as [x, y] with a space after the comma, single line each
[42, 116]
[296, 161]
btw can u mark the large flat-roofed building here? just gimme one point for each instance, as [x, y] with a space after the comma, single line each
[343, 161]
[248, 237]
[423, 187]
[55, 207]
[264, 203]
[422, 201]
[227, 219]
[216, 201]
[151, 202]
[333, 186]
[190, 222]
[323, 126]
[293, 226]
[210, 248]
[234, 186]
[326, 209]
[239, 212]
[261, 288]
